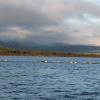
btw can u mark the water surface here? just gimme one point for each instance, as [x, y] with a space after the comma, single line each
[27, 78]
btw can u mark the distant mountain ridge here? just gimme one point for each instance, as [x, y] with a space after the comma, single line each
[53, 47]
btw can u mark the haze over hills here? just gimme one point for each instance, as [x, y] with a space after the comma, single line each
[50, 25]
[50, 21]
[50, 47]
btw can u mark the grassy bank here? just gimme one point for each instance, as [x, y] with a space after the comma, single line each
[13, 52]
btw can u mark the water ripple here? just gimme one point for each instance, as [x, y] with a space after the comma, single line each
[21, 80]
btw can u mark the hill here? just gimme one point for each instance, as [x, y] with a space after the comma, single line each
[53, 47]
[50, 50]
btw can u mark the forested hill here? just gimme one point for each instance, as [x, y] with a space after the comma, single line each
[17, 52]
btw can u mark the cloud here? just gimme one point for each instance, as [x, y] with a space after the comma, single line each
[50, 21]
[32, 12]
[84, 31]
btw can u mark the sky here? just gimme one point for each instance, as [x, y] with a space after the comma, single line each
[75, 22]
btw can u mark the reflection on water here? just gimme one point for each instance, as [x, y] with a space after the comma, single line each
[23, 79]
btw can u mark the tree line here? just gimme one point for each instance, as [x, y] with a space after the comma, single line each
[14, 52]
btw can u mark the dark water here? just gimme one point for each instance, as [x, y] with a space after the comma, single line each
[27, 78]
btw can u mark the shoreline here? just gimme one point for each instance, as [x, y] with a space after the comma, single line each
[81, 56]
[42, 53]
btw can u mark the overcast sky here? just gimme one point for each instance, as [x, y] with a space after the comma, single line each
[51, 21]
